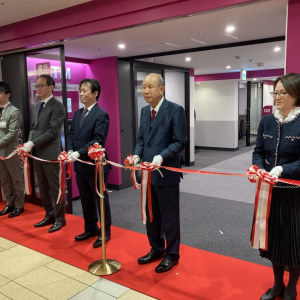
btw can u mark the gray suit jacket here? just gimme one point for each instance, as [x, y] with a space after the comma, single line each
[9, 134]
[45, 130]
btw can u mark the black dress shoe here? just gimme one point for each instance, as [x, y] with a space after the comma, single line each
[86, 235]
[271, 294]
[6, 210]
[16, 212]
[165, 265]
[287, 297]
[44, 222]
[57, 226]
[148, 258]
[98, 242]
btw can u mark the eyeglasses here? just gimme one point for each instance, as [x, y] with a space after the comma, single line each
[40, 86]
[275, 94]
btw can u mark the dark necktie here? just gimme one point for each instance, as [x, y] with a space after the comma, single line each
[153, 113]
[1, 110]
[41, 107]
[84, 113]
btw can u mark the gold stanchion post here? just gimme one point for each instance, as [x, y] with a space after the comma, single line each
[103, 266]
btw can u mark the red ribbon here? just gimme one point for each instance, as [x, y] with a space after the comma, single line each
[263, 196]
[96, 152]
[62, 158]
[26, 169]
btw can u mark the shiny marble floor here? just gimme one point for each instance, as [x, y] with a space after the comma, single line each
[26, 274]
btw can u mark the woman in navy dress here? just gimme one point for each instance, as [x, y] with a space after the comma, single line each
[277, 151]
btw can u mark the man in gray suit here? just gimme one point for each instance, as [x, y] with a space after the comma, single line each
[44, 139]
[10, 170]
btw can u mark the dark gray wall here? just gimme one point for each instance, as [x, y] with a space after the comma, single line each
[14, 73]
[126, 117]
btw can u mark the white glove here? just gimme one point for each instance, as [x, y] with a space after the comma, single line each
[157, 160]
[136, 159]
[28, 146]
[276, 171]
[74, 155]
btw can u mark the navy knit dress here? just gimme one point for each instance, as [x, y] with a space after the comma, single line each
[278, 144]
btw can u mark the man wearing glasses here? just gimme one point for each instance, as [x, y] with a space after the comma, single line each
[45, 143]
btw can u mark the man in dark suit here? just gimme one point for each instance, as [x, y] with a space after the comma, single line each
[44, 139]
[10, 170]
[161, 138]
[89, 125]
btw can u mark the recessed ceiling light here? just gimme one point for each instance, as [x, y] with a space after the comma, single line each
[188, 59]
[170, 44]
[228, 67]
[121, 46]
[254, 79]
[230, 28]
[276, 49]
[194, 40]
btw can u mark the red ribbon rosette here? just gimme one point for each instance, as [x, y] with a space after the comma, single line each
[263, 196]
[26, 169]
[63, 159]
[96, 152]
[129, 160]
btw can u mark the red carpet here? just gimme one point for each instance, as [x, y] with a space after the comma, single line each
[199, 274]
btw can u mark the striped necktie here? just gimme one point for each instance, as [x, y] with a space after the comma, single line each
[1, 110]
[83, 116]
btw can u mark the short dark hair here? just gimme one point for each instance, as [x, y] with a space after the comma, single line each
[5, 88]
[291, 83]
[95, 85]
[49, 79]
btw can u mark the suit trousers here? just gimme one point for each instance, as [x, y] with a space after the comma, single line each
[12, 181]
[166, 221]
[48, 181]
[90, 202]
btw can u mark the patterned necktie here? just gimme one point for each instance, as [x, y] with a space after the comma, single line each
[84, 113]
[41, 108]
[1, 110]
[153, 113]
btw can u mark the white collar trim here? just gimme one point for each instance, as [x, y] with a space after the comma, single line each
[291, 116]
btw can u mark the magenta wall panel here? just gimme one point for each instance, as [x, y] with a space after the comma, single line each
[99, 16]
[236, 75]
[293, 40]
[105, 70]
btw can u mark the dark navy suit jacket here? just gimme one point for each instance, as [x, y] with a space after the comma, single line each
[166, 138]
[94, 129]
[278, 140]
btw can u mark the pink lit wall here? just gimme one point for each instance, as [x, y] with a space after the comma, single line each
[105, 70]
[98, 17]
[293, 41]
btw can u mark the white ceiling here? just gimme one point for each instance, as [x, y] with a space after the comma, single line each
[254, 21]
[12, 11]
[216, 61]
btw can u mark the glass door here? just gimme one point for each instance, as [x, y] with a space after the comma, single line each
[51, 62]
[254, 110]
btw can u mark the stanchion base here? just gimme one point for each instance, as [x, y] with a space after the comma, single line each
[98, 268]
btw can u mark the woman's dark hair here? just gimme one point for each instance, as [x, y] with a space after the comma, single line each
[291, 83]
